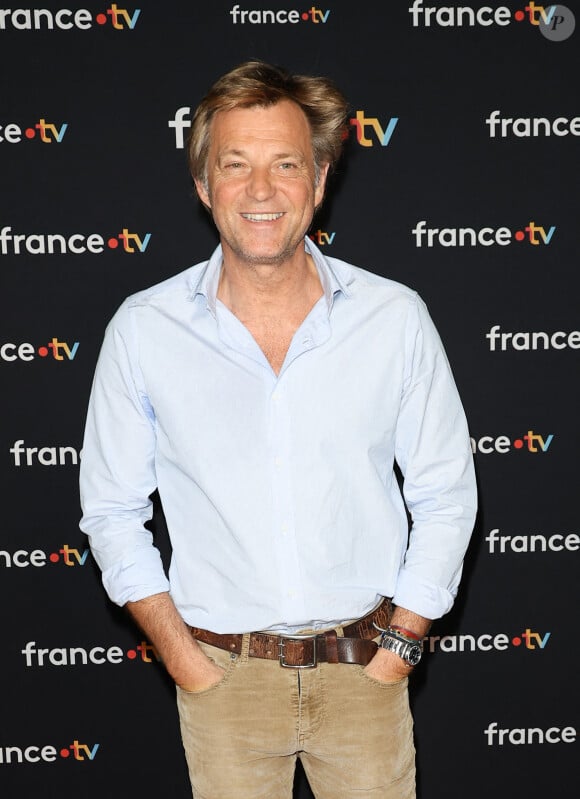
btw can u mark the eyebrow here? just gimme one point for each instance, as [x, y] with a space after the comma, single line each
[242, 154]
[230, 152]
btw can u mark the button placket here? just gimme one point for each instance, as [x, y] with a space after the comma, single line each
[283, 529]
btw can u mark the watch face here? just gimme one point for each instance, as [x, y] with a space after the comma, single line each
[410, 653]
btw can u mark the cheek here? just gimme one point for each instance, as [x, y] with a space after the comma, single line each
[222, 197]
[304, 196]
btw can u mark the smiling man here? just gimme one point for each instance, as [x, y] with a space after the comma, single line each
[267, 394]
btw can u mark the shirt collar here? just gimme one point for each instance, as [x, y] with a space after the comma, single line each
[332, 281]
[205, 282]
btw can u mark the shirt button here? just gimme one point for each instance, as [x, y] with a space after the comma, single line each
[278, 460]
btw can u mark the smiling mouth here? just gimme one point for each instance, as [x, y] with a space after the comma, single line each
[263, 217]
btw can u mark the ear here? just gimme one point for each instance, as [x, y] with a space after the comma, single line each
[202, 192]
[319, 190]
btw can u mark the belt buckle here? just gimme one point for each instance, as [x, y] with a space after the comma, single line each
[281, 655]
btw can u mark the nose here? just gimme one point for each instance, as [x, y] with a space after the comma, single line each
[260, 184]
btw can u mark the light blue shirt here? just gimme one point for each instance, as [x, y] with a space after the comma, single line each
[279, 492]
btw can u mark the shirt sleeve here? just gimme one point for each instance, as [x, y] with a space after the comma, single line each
[117, 475]
[433, 450]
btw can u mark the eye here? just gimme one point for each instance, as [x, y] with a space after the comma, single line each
[233, 165]
[288, 167]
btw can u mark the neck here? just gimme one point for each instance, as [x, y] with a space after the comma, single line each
[247, 288]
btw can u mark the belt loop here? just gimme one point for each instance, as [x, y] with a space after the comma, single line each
[331, 647]
[244, 656]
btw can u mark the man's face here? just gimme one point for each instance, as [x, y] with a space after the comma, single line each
[261, 182]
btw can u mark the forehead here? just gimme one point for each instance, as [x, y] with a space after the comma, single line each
[283, 124]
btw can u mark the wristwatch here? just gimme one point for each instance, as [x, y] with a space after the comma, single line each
[407, 648]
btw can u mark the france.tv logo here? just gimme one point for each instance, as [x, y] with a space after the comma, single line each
[41, 131]
[38, 558]
[64, 19]
[241, 16]
[14, 755]
[369, 131]
[126, 241]
[555, 22]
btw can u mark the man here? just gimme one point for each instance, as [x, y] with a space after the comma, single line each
[267, 393]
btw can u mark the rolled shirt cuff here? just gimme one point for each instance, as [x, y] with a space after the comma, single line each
[137, 578]
[423, 597]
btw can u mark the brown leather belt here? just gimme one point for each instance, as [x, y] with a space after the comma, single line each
[306, 651]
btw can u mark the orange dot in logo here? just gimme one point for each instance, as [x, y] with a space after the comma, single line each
[101, 19]
[53, 557]
[43, 352]
[518, 443]
[113, 243]
[519, 235]
[516, 641]
[30, 133]
[305, 16]
[64, 753]
[519, 16]
[131, 654]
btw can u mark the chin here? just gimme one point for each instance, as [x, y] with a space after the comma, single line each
[265, 258]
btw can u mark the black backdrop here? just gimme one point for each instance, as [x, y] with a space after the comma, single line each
[96, 203]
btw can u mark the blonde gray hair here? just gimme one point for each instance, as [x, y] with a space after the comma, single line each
[255, 83]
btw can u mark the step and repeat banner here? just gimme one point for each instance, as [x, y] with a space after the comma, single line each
[460, 179]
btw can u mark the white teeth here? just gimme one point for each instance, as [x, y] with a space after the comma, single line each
[262, 217]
